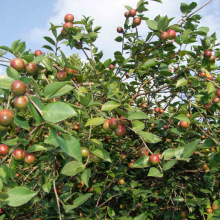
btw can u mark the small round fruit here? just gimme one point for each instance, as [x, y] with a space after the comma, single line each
[94, 158]
[111, 67]
[209, 210]
[38, 53]
[207, 106]
[188, 115]
[210, 77]
[113, 123]
[214, 207]
[123, 156]
[144, 105]
[205, 167]
[29, 158]
[84, 152]
[126, 14]
[106, 126]
[164, 35]
[120, 131]
[19, 154]
[142, 151]
[69, 71]
[154, 159]
[216, 100]
[207, 54]
[69, 18]
[18, 64]
[157, 110]
[203, 137]
[218, 92]
[61, 75]
[123, 120]
[21, 102]
[121, 182]
[78, 45]
[3, 150]
[172, 34]
[67, 25]
[202, 74]
[152, 125]
[18, 87]
[132, 12]
[161, 111]
[184, 124]
[183, 214]
[120, 30]
[6, 117]
[165, 127]
[131, 164]
[31, 68]
[212, 59]
[137, 21]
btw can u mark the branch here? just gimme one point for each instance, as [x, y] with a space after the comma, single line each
[90, 61]
[57, 198]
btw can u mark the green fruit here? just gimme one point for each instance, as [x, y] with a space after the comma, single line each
[84, 152]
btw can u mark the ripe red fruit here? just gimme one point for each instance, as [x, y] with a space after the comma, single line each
[18, 64]
[111, 67]
[184, 124]
[164, 35]
[6, 117]
[29, 158]
[69, 71]
[75, 71]
[212, 59]
[31, 68]
[132, 12]
[38, 53]
[106, 126]
[19, 154]
[120, 131]
[216, 100]
[214, 207]
[217, 92]
[172, 34]
[137, 21]
[154, 159]
[161, 111]
[113, 123]
[207, 106]
[84, 152]
[21, 102]
[120, 30]
[121, 182]
[142, 151]
[131, 164]
[94, 158]
[126, 14]
[3, 149]
[203, 137]
[18, 87]
[69, 18]
[209, 210]
[144, 105]
[157, 110]
[61, 75]
[210, 77]
[67, 25]
[207, 54]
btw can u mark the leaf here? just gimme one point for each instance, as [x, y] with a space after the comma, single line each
[4, 173]
[168, 165]
[182, 117]
[217, 157]
[138, 125]
[19, 196]
[50, 40]
[151, 62]
[72, 168]
[36, 147]
[149, 137]
[210, 87]
[107, 63]
[140, 217]
[71, 146]
[190, 148]
[181, 82]
[85, 176]
[47, 63]
[185, 35]
[13, 73]
[101, 153]
[58, 111]
[152, 24]
[108, 106]
[184, 8]
[5, 82]
[21, 121]
[155, 172]
[137, 115]
[97, 28]
[142, 162]
[95, 121]
[34, 112]
[81, 199]
[38, 59]
[168, 154]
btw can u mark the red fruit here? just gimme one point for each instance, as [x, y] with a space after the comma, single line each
[106, 126]
[207, 54]
[188, 115]
[132, 12]
[183, 214]
[69, 71]
[165, 127]
[214, 207]
[144, 105]
[207, 106]
[212, 59]
[3, 149]
[164, 35]
[69, 18]
[142, 151]
[154, 159]
[6, 117]
[137, 21]
[38, 53]
[184, 124]
[157, 110]
[113, 123]
[111, 67]
[18, 64]
[161, 111]
[203, 137]
[61, 75]
[19, 154]
[18, 87]
[216, 100]
[172, 34]
[29, 158]
[126, 14]
[31, 68]
[131, 164]
[120, 30]
[84, 152]
[120, 131]
[75, 71]
[17, 174]
[123, 121]
[209, 210]
[21, 102]
[67, 25]
[210, 77]
[217, 92]
[94, 158]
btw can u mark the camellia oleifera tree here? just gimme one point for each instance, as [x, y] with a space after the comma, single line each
[134, 137]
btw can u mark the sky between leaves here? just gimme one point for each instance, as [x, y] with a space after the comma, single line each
[28, 20]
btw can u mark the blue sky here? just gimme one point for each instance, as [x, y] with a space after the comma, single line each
[29, 19]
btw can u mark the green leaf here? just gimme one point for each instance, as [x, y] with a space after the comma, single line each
[184, 8]
[38, 59]
[140, 217]
[107, 63]
[5, 82]
[58, 111]
[72, 168]
[182, 117]
[34, 112]
[71, 146]
[85, 176]
[169, 153]
[152, 24]
[185, 36]
[217, 157]
[138, 125]
[47, 63]
[47, 187]
[108, 106]
[178, 199]
[21, 121]
[97, 28]
[36, 148]
[162, 23]
[155, 172]
[151, 62]
[142, 162]
[149, 137]
[168, 165]
[181, 82]
[50, 40]
[137, 115]
[103, 154]
[190, 148]
[95, 121]
[19, 196]
[4, 173]
[210, 87]
[11, 72]
[47, 47]
[81, 199]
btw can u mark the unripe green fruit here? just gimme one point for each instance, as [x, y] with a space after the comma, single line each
[3, 128]
[84, 152]
[94, 158]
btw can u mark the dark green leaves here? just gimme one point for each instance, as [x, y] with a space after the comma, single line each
[101, 153]
[155, 172]
[149, 137]
[72, 168]
[108, 106]
[190, 148]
